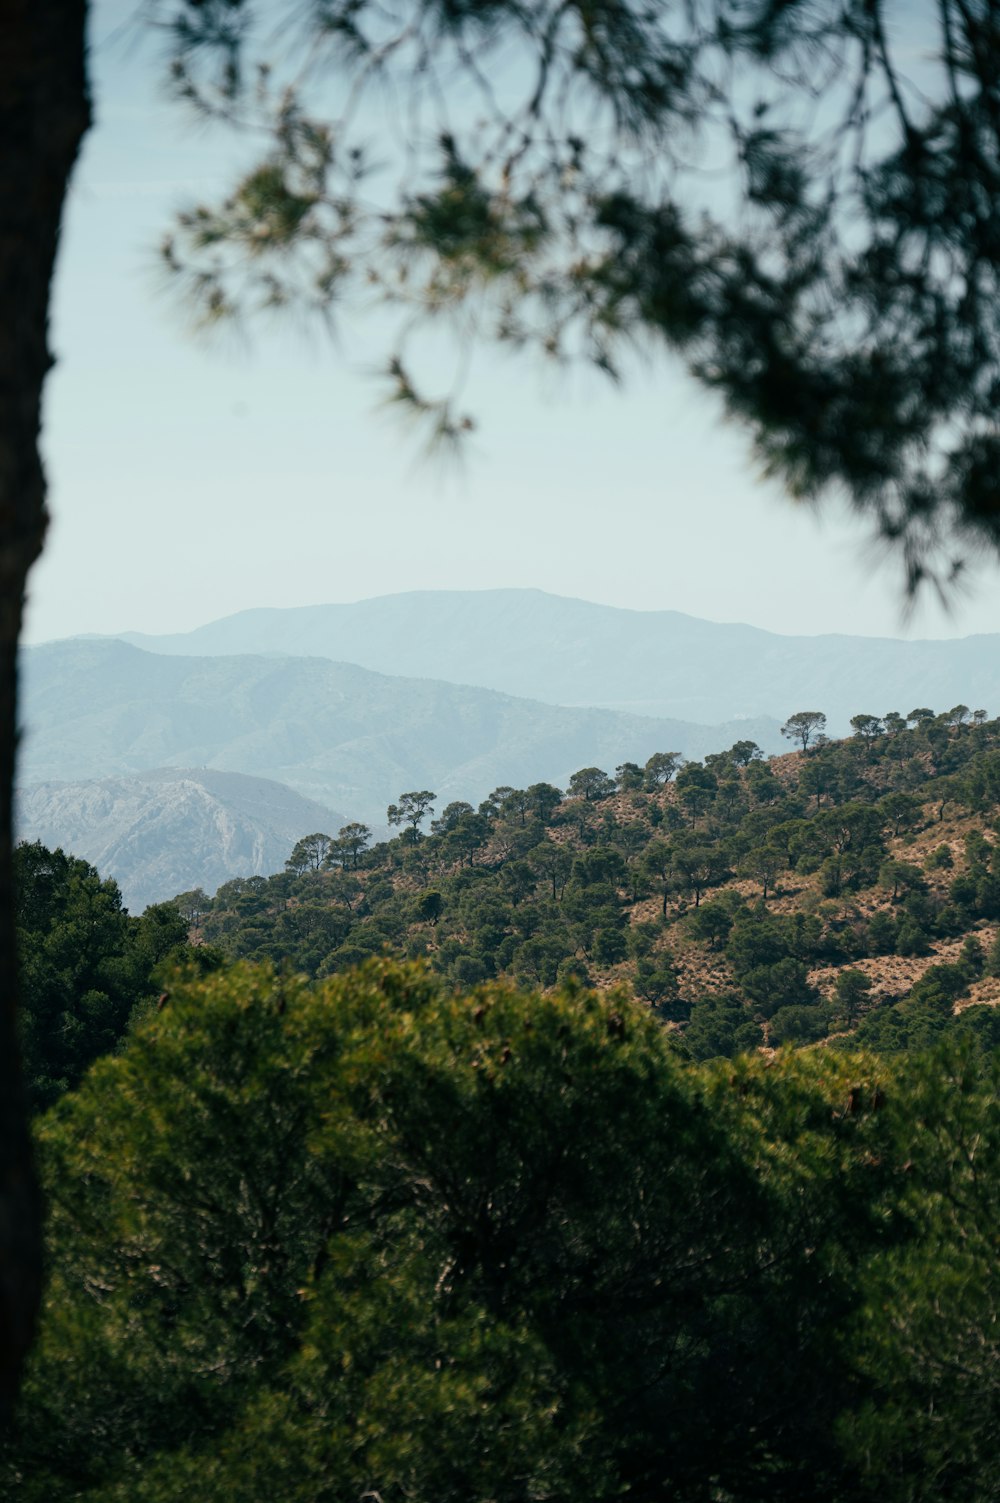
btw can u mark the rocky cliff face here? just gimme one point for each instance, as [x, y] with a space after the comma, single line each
[162, 832]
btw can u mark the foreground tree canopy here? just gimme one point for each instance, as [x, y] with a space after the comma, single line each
[372, 1237]
[799, 198]
[86, 965]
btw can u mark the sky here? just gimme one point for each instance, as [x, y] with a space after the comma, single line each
[189, 483]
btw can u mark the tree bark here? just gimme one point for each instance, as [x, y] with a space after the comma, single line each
[44, 113]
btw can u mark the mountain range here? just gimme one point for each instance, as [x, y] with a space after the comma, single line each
[342, 735]
[573, 652]
[178, 761]
[123, 754]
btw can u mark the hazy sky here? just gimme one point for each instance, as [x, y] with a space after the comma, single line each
[187, 484]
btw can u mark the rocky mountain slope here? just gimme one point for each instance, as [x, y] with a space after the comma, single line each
[172, 829]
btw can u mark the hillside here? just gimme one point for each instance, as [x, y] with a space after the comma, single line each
[346, 737]
[573, 652]
[544, 1106]
[158, 832]
[853, 889]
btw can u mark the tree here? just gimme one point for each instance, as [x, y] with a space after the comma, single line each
[450, 816]
[192, 906]
[658, 864]
[804, 726]
[492, 805]
[762, 785]
[310, 854]
[439, 1282]
[868, 727]
[85, 965]
[466, 836]
[720, 1026]
[661, 767]
[819, 776]
[44, 113]
[711, 922]
[699, 866]
[897, 877]
[797, 1024]
[545, 799]
[764, 864]
[411, 810]
[936, 1301]
[352, 840]
[745, 752]
[629, 777]
[591, 784]
[656, 980]
[696, 788]
[552, 863]
[901, 811]
[851, 991]
[429, 907]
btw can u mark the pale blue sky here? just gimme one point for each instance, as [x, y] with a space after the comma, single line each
[187, 484]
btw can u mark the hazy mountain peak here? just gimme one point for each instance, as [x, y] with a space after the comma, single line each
[566, 651]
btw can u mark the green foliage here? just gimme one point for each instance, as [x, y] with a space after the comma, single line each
[851, 991]
[85, 964]
[935, 1302]
[711, 923]
[591, 783]
[764, 864]
[797, 1024]
[539, 886]
[307, 1237]
[656, 982]
[310, 854]
[781, 985]
[804, 726]
[867, 726]
[911, 937]
[411, 810]
[720, 1028]
[661, 767]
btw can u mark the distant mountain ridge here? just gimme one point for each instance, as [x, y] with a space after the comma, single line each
[171, 829]
[347, 737]
[571, 652]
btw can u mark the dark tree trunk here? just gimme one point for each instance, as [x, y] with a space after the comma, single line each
[43, 116]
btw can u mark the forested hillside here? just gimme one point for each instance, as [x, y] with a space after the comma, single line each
[845, 890]
[505, 1221]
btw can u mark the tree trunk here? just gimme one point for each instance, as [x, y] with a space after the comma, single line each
[44, 113]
